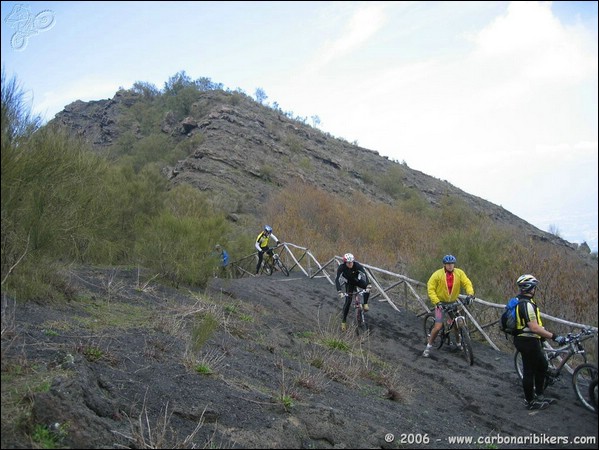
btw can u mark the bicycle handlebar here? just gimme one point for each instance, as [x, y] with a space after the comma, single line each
[583, 335]
[450, 306]
[359, 291]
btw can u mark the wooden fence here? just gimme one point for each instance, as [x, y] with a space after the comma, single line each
[397, 290]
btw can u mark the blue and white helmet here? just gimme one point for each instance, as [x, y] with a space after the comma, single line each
[268, 228]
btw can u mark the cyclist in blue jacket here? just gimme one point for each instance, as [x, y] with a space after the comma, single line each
[352, 274]
[223, 256]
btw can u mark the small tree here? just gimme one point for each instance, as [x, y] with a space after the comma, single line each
[261, 95]
[554, 230]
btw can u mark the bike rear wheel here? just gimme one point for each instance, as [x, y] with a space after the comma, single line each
[581, 381]
[549, 380]
[518, 364]
[429, 323]
[266, 268]
[467, 345]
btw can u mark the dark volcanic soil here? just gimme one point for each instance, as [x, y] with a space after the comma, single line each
[120, 362]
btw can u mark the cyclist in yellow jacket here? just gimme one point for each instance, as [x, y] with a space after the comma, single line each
[444, 286]
[262, 244]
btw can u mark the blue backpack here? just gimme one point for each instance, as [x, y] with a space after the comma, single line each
[508, 322]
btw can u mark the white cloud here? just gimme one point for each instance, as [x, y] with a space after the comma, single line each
[520, 98]
[362, 25]
[534, 45]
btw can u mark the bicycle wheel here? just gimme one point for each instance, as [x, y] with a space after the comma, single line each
[593, 394]
[361, 324]
[266, 268]
[581, 381]
[467, 345]
[429, 323]
[282, 266]
[518, 364]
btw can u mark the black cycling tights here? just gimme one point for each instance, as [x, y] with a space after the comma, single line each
[261, 256]
[352, 288]
[534, 366]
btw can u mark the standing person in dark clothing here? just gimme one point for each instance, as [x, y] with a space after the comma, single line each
[529, 340]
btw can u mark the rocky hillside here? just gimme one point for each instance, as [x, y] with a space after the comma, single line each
[259, 362]
[241, 152]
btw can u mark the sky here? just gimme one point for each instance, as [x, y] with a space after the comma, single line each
[497, 98]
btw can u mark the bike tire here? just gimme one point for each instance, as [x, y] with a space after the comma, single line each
[283, 267]
[593, 394]
[429, 322]
[581, 382]
[518, 364]
[361, 324]
[520, 368]
[467, 346]
[266, 268]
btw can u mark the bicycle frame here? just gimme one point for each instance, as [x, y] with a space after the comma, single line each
[276, 263]
[455, 322]
[570, 349]
[582, 375]
[360, 317]
[273, 262]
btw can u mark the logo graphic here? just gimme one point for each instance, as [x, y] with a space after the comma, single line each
[26, 24]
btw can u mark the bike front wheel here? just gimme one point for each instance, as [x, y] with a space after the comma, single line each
[467, 345]
[281, 265]
[361, 324]
[581, 381]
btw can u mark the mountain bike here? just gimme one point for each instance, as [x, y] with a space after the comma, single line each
[455, 320]
[357, 298]
[572, 351]
[272, 263]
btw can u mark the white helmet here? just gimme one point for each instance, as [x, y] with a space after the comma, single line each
[348, 257]
[527, 282]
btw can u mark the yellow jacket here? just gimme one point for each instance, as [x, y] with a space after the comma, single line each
[437, 286]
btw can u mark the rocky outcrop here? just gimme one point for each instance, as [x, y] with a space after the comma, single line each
[248, 151]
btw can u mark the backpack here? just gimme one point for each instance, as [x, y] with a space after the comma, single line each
[508, 322]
